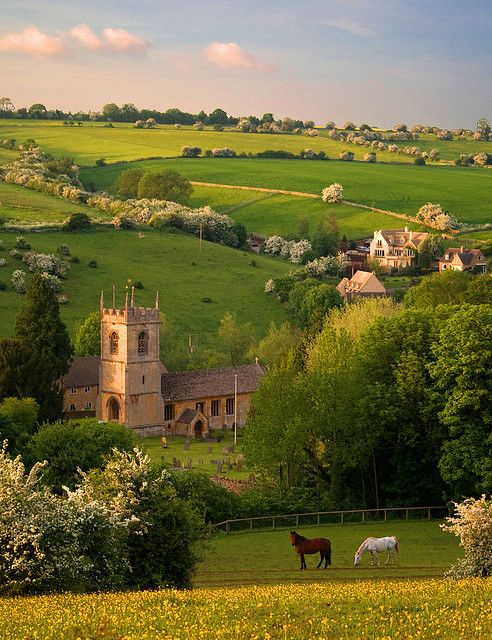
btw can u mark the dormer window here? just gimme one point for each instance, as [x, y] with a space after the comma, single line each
[113, 342]
[143, 343]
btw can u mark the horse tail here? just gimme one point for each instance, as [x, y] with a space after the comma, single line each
[397, 545]
[328, 553]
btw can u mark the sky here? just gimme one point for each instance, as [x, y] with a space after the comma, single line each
[374, 61]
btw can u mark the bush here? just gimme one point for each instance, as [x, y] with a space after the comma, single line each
[433, 215]
[3, 286]
[75, 259]
[3, 262]
[191, 152]
[419, 161]
[21, 243]
[472, 523]
[165, 185]
[212, 502]
[138, 285]
[19, 281]
[370, 157]
[63, 250]
[333, 193]
[226, 152]
[276, 153]
[77, 222]
[92, 264]
[101, 162]
[348, 156]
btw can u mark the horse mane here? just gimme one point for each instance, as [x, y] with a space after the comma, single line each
[299, 537]
[359, 550]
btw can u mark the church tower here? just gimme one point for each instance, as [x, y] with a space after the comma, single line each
[130, 369]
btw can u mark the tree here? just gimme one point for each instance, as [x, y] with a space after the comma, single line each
[88, 338]
[73, 445]
[276, 345]
[126, 185]
[333, 193]
[484, 128]
[449, 287]
[235, 339]
[37, 110]
[77, 222]
[165, 185]
[463, 377]
[47, 348]
[430, 250]
[129, 112]
[18, 417]
[12, 358]
[111, 112]
[433, 215]
[218, 116]
[6, 104]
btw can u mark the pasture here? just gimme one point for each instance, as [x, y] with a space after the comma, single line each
[123, 142]
[465, 192]
[172, 263]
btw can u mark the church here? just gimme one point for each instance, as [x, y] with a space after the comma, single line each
[128, 383]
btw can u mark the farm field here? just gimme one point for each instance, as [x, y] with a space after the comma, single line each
[465, 192]
[372, 609]
[171, 263]
[123, 142]
[25, 206]
[426, 550]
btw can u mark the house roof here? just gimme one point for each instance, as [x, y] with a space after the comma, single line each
[361, 281]
[83, 372]
[402, 237]
[468, 257]
[187, 416]
[186, 385]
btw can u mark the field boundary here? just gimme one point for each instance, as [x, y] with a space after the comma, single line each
[341, 517]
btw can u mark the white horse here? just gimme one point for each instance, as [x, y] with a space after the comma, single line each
[376, 545]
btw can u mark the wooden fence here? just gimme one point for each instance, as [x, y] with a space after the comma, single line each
[341, 517]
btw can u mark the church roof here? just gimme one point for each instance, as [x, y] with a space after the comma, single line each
[83, 372]
[187, 416]
[207, 383]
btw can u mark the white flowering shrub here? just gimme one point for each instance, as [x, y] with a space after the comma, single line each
[19, 281]
[53, 282]
[480, 159]
[472, 523]
[3, 262]
[433, 215]
[444, 134]
[273, 245]
[326, 266]
[198, 126]
[298, 250]
[393, 148]
[270, 286]
[139, 124]
[46, 263]
[245, 126]
[309, 154]
[370, 157]
[223, 153]
[348, 156]
[333, 193]
[311, 132]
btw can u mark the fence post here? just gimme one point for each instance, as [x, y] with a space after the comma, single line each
[251, 524]
[428, 513]
[406, 514]
[385, 515]
[363, 514]
[273, 522]
[227, 526]
[297, 520]
[318, 519]
[341, 518]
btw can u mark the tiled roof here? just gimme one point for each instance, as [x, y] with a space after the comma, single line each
[400, 237]
[83, 372]
[468, 257]
[187, 416]
[207, 383]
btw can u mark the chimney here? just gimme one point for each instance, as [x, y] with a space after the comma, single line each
[406, 229]
[462, 249]
[410, 235]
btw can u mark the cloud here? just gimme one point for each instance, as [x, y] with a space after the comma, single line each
[32, 41]
[350, 25]
[122, 40]
[86, 37]
[229, 55]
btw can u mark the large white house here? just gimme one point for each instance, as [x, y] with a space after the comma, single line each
[396, 247]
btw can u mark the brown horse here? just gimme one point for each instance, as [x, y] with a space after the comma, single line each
[304, 545]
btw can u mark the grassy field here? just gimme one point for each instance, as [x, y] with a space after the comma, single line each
[25, 206]
[465, 192]
[426, 550]
[123, 142]
[369, 610]
[171, 263]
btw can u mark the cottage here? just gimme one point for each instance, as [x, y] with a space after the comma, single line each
[128, 383]
[363, 284]
[396, 248]
[463, 260]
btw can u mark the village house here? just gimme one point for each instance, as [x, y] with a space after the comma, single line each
[396, 248]
[461, 259]
[363, 284]
[128, 383]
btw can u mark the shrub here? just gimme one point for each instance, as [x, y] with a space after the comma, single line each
[349, 126]
[333, 193]
[223, 153]
[63, 250]
[123, 222]
[464, 160]
[472, 523]
[370, 157]
[63, 299]
[3, 286]
[15, 253]
[46, 263]
[165, 185]
[75, 259]
[19, 281]
[21, 243]
[3, 262]
[348, 156]
[433, 215]
[92, 264]
[77, 222]
[275, 153]
[481, 159]
[419, 161]
[191, 152]
[101, 162]
[212, 502]
[138, 285]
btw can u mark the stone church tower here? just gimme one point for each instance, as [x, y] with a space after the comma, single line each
[130, 369]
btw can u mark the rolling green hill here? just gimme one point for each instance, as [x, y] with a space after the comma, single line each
[171, 263]
[465, 192]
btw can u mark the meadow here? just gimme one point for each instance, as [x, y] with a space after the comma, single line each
[93, 140]
[171, 263]
[465, 192]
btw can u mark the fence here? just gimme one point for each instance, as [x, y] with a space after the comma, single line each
[332, 517]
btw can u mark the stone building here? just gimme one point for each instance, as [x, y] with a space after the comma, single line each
[396, 248]
[363, 284]
[128, 382]
[461, 259]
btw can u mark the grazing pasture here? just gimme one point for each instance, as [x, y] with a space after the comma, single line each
[169, 262]
[465, 192]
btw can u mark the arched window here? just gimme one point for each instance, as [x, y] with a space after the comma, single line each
[113, 342]
[113, 409]
[143, 343]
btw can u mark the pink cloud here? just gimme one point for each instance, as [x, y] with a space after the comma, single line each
[122, 40]
[227, 55]
[32, 41]
[86, 37]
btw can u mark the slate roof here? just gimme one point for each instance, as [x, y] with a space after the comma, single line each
[187, 416]
[207, 383]
[402, 238]
[83, 372]
[468, 257]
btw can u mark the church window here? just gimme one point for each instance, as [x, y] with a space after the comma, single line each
[199, 406]
[87, 388]
[229, 406]
[143, 343]
[73, 390]
[113, 342]
[168, 411]
[72, 407]
[215, 408]
[143, 379]
[88, 406]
